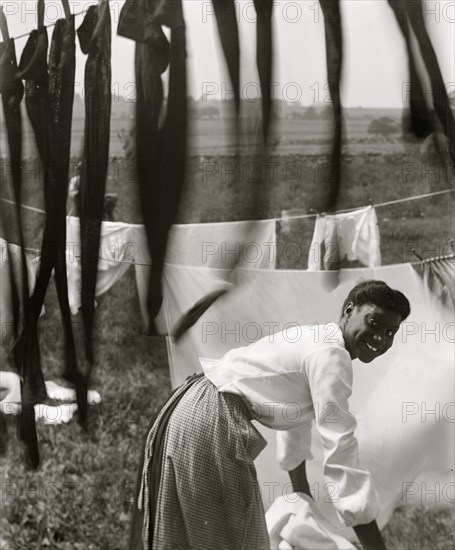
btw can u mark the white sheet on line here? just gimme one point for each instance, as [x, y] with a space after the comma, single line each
[208, 245]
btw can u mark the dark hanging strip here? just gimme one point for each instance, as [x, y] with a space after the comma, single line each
[161, 150]
[228, 30]
[33, 68]
[264, 58]
[49, 95]
[419, 122]
[334, 57]
[95, 40]
[62, 67]
[12, 93]
[414, 11]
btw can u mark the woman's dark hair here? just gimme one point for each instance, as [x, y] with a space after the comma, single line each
[380, 294]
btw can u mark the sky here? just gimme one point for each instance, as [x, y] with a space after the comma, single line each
[374, 74]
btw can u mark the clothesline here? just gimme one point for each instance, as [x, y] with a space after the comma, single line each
[297, 216]
[25, 35]
[378, 205]
[134, 262]
[24, 206]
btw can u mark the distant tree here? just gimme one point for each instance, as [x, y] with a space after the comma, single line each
[310, 113]
[326, 113]
[300, 114]
[383, 126]
[209, 112]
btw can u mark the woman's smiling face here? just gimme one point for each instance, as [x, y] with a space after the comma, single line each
[368, 330]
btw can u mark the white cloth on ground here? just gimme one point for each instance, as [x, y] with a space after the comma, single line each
[294, 522]
[389, 396]
[49, 414]
[292, 378]
[351, 235]
[61, 393]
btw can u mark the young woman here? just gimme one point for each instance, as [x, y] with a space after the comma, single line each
[197, 486]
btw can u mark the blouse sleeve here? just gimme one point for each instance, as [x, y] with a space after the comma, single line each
[329, 373]
[293, 446]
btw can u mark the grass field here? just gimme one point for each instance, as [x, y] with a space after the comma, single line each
[216, 136]
[81, 496]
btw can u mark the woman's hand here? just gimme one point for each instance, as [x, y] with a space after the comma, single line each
[299, 480]
[369, 536]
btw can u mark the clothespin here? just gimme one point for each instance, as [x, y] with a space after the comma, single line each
[413, 250]
[313, 211]
[3, 25]
[40, 10]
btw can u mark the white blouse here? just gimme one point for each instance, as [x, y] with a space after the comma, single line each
[291, 379]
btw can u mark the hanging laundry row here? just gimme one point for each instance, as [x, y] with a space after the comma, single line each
[354, 235]
[49, 96]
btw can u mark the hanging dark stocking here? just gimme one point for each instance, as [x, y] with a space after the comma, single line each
[264, 58]
[95, 40]
[161, 151]
[12, 93]
[414, 11]
[419, 122]
[229, 35]
[49, 100]
[334, 55]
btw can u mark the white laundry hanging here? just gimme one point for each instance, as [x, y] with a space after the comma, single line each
[117, 251]
[32, 261]
[351, 235]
